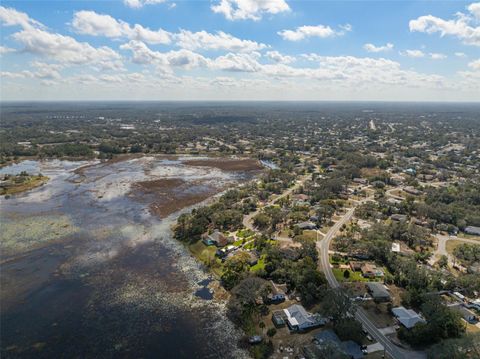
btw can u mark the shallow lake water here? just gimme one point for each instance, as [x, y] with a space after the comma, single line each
[89, 272]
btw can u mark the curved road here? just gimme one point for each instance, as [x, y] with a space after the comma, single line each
[324, 264]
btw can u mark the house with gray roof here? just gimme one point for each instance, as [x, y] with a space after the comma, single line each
[407, 317]
[472, 230]
[299, 319]
[378, 292]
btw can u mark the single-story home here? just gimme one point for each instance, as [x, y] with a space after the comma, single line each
[306, 225]
[299, 319]
[472, 230]
[412, 191]
[398, 217]
[356, 266]
[407, 317]
[277, 293]
[360, 180]
[328, 338]
[216, 238]
[371, 271]
[378, 292]
[466, 313]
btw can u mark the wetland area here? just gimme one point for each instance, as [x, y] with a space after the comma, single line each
[89, 258]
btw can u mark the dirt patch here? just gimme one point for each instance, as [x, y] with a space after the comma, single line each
[167, 195]
[172, 203]
[157, 186]
[243, 164]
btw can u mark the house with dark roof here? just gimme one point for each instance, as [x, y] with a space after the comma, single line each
[328, 338]
[407, 317]
[277, 293]
[378, 292]
[472, 230]
[468, 315]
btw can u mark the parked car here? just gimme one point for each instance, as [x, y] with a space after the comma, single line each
[255, 339]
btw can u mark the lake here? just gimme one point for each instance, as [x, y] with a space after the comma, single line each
[89, 267]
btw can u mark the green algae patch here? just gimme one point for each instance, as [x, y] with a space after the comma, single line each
[21, 183]
[31, 232]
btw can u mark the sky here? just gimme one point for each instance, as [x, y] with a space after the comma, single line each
[240, 50]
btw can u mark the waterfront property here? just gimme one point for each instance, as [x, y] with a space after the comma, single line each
[298, 319]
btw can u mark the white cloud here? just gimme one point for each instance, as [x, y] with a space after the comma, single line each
[164, 60]
[475, 65]
[136, 4]
[460, 54]
[463, 26]
[321, 31]
[413, 53]
[474, 9]
[63, 48]
[372, 48]
[249, 9]
[237, 63]
[91, 23]
[46, 71]
[437, 56]
[6, 50]
[219, 41]
[12, 17]
[279, 58]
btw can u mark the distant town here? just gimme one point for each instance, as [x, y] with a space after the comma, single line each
[357, 236]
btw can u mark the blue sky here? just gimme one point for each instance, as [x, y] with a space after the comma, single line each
[240, 50]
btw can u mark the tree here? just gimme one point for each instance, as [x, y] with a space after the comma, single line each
[337, 304]
[443, 261]
[346, 274]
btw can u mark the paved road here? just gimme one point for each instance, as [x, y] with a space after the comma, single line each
[442, 247]
[324, 264]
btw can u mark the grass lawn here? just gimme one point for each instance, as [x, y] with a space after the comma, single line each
[238, 243]
[469, 236]
[244, 233]
[354, 276]
[204, 253]
[260, 264]
[308, 235]
[452, 244]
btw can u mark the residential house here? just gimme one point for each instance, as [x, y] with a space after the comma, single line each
[328, 339]
[378, 291]
[360, 180]
[412, 191]
[466, 313]
[306, 225]
[277, 293]
[398, 217]
[407, 317]
[217, 238]
[356, 266]
[298, 319]
[472, 230]
[371, 271]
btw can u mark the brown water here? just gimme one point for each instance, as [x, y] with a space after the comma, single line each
[87, 271]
